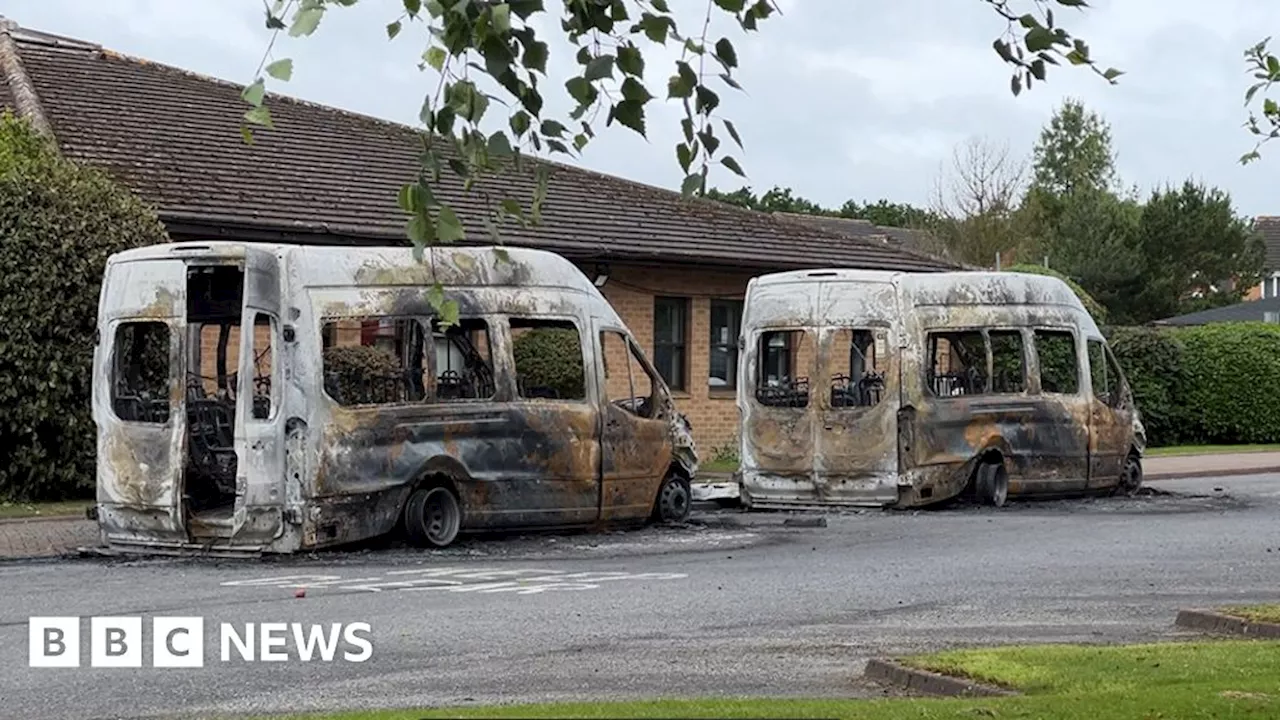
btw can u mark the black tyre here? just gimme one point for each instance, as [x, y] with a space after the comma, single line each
[675, 500]
[992, 484]
[1130, 476]
[432, 517]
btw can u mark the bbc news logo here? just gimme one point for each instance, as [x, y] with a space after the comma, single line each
[179, 642]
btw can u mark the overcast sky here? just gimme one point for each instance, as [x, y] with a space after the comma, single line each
[844, 99]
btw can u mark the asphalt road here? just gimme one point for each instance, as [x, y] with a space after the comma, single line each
[733, 604]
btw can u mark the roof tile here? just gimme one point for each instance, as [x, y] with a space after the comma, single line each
[174, 138]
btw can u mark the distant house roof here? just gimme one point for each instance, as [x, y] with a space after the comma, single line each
[328, 176]
[1269, 227]
[1267, 310]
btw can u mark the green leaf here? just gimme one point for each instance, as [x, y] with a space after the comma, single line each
[553, 128]
[684, 155]
[655, 27]
[1037, 69]
[1039, 39]
[281, 70]
[502, 18]
[681, 84]
[435, 57]
[393, 29]
[707, 100]
[435, 296]
[449, 226]
[661, 6]
[629, 113]
[413, 7]
[631, 60]
[254, 94]
[420, 230]
[733, 132]
[512, 208]
[733, 165]
[502, 255]
[1112, 74]
[499, 145]
[306, 21]
[259, 116]
[599, 68]
[535, 57]
[692, 183]
[580, 89]
[733, 6]
[726, 53]
[520, 123]
[449, 313]
[1016, 85]
[635, 91]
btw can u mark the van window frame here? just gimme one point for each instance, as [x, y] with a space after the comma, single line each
[874, 328]
[113, 357]
[757, 336]
[510, 357]
[1076, 345]
[985, 331]
[424, 324]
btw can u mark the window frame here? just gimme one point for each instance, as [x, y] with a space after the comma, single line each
[929, 363]
[276, 395]
[730, 348]
[1075, 346]
[1021, 332]
[876, 333]
[789, 350]
[114, 358]
[516, 395]
[424, 323]
[681, 344]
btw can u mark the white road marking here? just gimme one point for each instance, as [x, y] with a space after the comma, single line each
[520, 581]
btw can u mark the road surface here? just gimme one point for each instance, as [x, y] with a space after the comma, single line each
[733, 604]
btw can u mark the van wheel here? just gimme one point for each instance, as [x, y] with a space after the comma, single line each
[992, 485]
[432, 517]
[675, 500]
[1130, 476]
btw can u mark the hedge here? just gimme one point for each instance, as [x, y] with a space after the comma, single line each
[1204, 385]
[550, 357]
[58, 224]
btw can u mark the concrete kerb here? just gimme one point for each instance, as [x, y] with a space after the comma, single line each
[893, 673]
[1217, 623]
[1229, 472]
[43, 518]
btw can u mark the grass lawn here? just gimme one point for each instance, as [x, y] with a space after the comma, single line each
[1212, 679]
[30, 510]
[1209, 449]
[1255, 613]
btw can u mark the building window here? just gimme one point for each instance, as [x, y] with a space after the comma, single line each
[670, 326]
[726, 319]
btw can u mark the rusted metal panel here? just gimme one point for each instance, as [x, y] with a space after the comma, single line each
[921, 444]
[314, 472]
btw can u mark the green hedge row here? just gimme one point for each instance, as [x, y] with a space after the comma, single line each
[1205, 385]
[58, 224]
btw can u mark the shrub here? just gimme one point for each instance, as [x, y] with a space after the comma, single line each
[358, 374]
[58, 224]
[1204, 385]
[1232, 381]
[550, 357]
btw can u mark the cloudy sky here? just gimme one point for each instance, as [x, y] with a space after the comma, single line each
[861, 99]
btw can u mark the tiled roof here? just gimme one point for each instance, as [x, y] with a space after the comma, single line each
[1248, 311]
[174, 138]
[1269, 226]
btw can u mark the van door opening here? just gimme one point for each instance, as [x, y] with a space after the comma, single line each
[214, 309]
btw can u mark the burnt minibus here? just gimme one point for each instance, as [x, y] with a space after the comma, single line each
[867, 388]
[255, 398]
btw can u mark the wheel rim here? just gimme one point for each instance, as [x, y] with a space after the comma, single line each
[1132, 475]
[440, 516]
[1001, 490]
[675, 501]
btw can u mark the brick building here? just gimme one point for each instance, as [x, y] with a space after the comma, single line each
[675, 269]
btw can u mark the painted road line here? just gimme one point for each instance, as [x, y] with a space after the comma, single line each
[520, 581]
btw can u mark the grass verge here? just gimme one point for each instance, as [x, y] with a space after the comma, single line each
[1211, 679]
[11, 510]
[1175, 450]
[1255, 613]
[719, 466]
